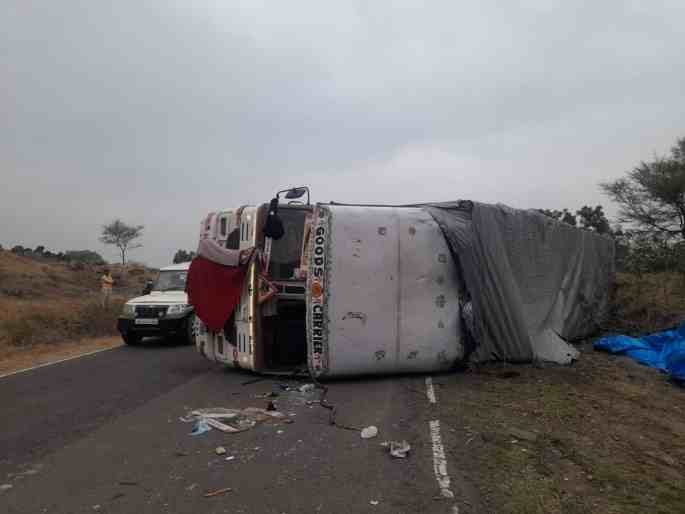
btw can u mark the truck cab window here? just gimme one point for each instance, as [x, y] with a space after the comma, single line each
[233, 241]
[286, 252]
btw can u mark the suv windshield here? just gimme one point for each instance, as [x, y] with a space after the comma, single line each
[171, 281]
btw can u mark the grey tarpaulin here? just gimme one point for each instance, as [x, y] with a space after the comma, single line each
[532, 281]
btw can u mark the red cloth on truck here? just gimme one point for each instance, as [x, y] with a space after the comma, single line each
[214, 290]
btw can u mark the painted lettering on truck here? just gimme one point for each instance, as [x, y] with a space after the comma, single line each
[317, 311]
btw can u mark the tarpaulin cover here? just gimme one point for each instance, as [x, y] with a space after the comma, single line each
[662, 350]
[533, 282]
[214, 290]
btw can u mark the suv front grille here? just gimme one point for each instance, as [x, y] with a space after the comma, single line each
[151, 311]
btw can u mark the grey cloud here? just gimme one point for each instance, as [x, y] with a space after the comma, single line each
[159, 113]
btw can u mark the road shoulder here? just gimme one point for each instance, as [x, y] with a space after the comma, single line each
[13, 360]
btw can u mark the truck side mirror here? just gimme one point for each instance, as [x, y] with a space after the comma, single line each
[297, 192]
[273, 227]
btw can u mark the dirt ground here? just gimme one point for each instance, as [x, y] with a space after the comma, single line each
[605, 435]
[17, 358]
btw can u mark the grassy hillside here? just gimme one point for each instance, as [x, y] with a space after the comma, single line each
[47, 301]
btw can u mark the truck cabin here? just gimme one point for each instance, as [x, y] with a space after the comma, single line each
[266, 335]
[348, 289]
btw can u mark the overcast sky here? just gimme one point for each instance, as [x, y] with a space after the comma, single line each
[160, 111]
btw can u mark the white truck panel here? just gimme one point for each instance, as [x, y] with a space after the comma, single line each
[389, 301]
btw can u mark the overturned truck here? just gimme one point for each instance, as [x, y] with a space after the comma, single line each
[338, 289]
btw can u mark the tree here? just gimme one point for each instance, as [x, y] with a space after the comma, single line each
[594, 219]
[40, 250]
[564, 216]
[651, 197]
[84, 257]
[183, 256]
[122, 236]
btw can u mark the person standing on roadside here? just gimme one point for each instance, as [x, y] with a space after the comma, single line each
[106, 281]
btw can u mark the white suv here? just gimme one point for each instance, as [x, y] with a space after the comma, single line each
[163, 311]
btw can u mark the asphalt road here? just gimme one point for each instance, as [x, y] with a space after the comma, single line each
[102, 434]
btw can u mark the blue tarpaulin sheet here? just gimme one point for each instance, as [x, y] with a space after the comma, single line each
[664, 351]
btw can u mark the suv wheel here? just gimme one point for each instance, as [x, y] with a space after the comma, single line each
[131, 338]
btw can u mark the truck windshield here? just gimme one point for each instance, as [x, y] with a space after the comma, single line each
[287, 251]
[171, 281]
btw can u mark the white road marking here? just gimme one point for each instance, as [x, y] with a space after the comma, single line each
[439, 458]
[58, 361]
[430, 391]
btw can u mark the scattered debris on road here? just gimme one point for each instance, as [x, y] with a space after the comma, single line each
[218, 492]
[263, 396]
[229, 420]
[230, 457]
[220, 450]
[374, 502]
[200, 427]
[398, 449]
[369, 432]
[306, 388]
[5, 487]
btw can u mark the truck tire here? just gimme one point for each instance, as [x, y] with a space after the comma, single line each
[131, 338]
[188, 336]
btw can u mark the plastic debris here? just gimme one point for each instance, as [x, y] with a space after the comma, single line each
[200, 427]
[374, 502]
[369, 432]
[398, 449]
[279, 431]
[231, 457]
[272, 394]
[5, 487]
[664, 350]
[229, 420]
[218, 492]
[306, 388]
[220, 450]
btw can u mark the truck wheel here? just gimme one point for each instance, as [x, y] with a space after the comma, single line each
[131, 339]
[190, 328]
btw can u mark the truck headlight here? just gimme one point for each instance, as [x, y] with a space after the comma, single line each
[179, 308]
[129, 311]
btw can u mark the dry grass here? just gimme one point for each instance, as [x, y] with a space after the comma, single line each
[607, 433]
[49, 302]
[649, 302]
[608, 437]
